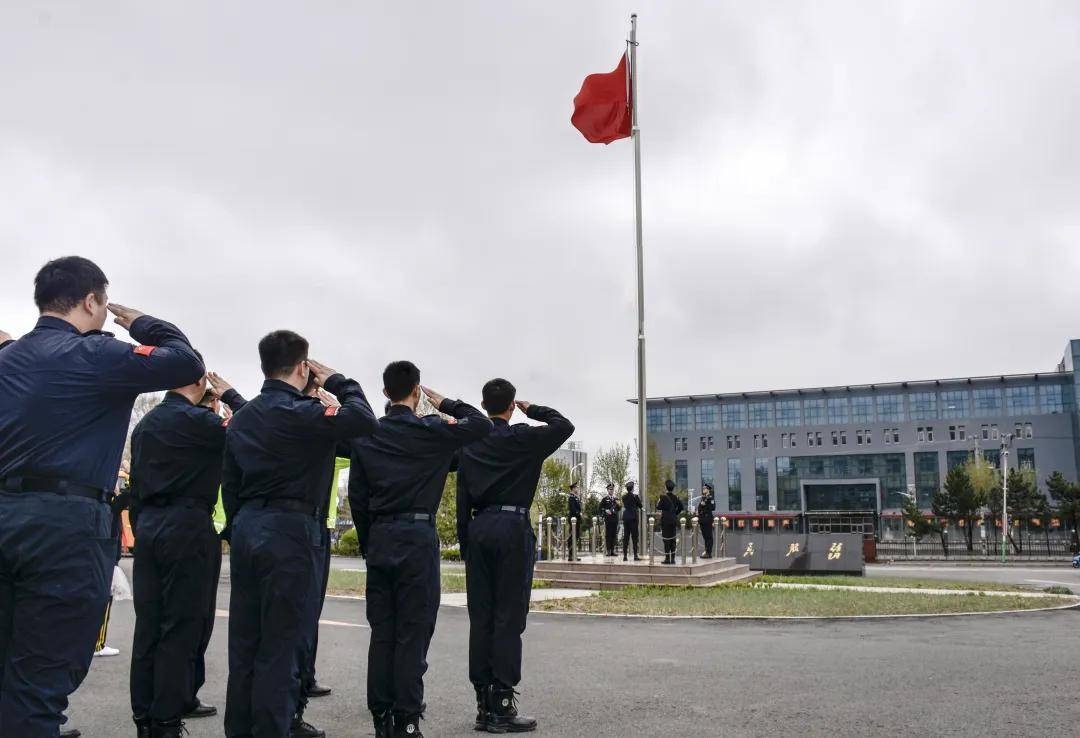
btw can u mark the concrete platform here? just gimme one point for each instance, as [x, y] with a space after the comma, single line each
[603, 572]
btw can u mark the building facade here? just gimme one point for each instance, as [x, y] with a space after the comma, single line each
[573, 454]
[864, 447]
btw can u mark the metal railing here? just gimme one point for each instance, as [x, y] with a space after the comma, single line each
[927, 548]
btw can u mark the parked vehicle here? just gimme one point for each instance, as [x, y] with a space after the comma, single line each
[1076, 562]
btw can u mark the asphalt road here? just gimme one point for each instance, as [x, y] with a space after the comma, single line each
[1030, 576]
[627, 677]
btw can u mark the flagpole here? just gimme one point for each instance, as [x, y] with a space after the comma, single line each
[643, 456]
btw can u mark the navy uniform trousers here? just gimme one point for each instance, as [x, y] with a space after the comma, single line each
[274, 570]
[172, 589]
[214, 573]
[402, 605]
[56, 564]
[309, 662]
[499, 571]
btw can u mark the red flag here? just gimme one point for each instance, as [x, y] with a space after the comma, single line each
[602, 108]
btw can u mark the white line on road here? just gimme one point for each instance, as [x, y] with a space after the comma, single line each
[225, 614]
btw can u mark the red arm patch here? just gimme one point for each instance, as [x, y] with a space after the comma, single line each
[331, 411]
[145, 350]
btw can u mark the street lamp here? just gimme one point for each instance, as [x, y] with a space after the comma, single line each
[1006, 439]
[911, 496]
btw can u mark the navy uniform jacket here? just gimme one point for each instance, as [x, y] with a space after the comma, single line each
[705, 509]
[504, 468]
[176, 450]
[631, 504]
[66, 397]
[669, 506]
[403, 467]
[573, 504]
[281, 445]
[609, 506]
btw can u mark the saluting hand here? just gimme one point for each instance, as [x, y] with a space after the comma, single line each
[321, 371]
[125, 316]
[434, 397]
[217, 384]
[522, 405]
[226, 411]
[327, 399]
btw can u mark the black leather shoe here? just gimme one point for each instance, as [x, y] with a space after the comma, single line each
[317, 690]
[171, 729]
[200, 710]
[407, 726]
[637, 558]
[481, 708]
[72, 733]
[142, 728]
[502, 712]
[301, 728]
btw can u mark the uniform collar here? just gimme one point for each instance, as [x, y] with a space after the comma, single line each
[500, 421]
[175, 398]
[400, 410]
[48, 321]
[279, 386]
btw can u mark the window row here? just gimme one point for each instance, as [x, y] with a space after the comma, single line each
[886, 408]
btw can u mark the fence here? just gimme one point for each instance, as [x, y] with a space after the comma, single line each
[988, 549]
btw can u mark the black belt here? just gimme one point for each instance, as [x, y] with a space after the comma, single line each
[58, 486]
[284, 504]
[404, 517]
[188, 502]
[506, 508]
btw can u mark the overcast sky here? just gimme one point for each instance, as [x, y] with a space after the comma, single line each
[835, 192]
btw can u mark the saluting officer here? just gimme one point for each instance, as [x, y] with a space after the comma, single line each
[176, 452]
[705, 509]
[395, 487]
[609, 506]
[574, 509]
[669, 506]
[66, 393]
[279, 460]
[496, 484]
[631, 505]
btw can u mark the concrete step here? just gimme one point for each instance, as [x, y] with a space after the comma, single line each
[594, 567]
[642, 576]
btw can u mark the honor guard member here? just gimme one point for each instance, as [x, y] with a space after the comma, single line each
[669, 506]
[705, 509]
[176, 452]
[631, 504]
[279, 460]
[609, 508]
[497, 481]
[573, 503]
[395, 486]
[66, 393]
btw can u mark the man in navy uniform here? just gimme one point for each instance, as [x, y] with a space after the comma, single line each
[609, 508]
[395, 486]
[176, 452]
[573, 503]
[66, 393]
[279, 460]
[669, 506]
[497, 480]
[631, 506]
[705, 509]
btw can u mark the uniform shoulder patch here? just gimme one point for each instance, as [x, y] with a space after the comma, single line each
[331, 411]
[145, 350]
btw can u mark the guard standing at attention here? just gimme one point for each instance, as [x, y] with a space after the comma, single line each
[66, 393]
[573, 503]
[176, 452]
[609, 507]
[705, 509]
[395, 486]
[496, 484]
[279, 460]
[631, 504]
[669, 506]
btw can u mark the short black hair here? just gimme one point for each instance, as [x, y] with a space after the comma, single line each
[707, 486]
[399, 379]
[499, 395]
[670, 485]
[280, 351]
[62, 284]
[573, 485]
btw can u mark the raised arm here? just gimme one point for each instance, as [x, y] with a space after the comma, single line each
[546, 439]
[164, 360]
[353, 419]
[469, 423]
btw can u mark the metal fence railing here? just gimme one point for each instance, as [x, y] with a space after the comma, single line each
[1029, 548]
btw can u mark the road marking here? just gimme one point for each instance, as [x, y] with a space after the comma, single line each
[225, 614]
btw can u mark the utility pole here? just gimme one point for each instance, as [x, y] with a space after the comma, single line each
[1006, 439]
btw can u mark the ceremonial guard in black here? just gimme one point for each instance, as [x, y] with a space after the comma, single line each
[279, 460]
[705, 509]
[631, 532]
[496, 484]
[66, 393]
[176, 452]
[395, 487]
[669, 506]
[573, 503]
[609, 510]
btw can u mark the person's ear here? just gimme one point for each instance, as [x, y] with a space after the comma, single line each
[91, 303]
[483, 406]
[416, 393]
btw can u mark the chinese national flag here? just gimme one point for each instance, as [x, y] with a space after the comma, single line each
[602, 108]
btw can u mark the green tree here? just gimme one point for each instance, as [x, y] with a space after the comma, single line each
[611, 465]
[1066, 504]
[916, 524]
[1025, 502]
[551, 493]
[659, 471]
[958, 500]
[446, 518]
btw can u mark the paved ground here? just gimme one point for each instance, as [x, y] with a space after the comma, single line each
[603, 677]
[1031, 576]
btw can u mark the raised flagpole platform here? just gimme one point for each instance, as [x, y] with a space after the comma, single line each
[594, 571]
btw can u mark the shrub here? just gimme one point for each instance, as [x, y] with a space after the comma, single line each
[451, 554]
[348, 544]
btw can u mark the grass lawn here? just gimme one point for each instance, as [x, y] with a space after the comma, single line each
[741, 599]
[353, 582]
[910, 582]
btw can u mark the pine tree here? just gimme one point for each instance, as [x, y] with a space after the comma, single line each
[1066, 498]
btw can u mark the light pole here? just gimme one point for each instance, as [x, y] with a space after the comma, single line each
[1006, 439]
[911, 496]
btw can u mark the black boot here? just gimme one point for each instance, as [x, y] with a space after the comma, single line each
[407, 726]
[301, 728]
[167, 729]
[502, 712]
[384, 724]
[481, 707]
[142, 728]
[71, 733]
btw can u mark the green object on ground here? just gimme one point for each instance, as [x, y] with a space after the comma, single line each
[352, 582]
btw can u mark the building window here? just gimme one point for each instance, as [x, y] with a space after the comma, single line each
[961, 430]
[708, 473]
[952, 432]
[1028, 431]
[1020, 400]
[986, 402]
[1025, 458]
[705, 417]
[858, 438]
[920, 435]
[656, 419]
[788, 413]
[862, 410]
[923, 406]
[869, 436]
[835, 438]
[681, 419]
[738, 442]
[730, 442]
[783, 440]
[809, 439]
[733, 415]
[682, 478]
[954, 405]
[761, 484]
[929, 434]
[994, 435]
[814, 411]
[890, 407]
[888, 435]
[757, 441]
[680, 444]
[838, 410]
[764, 440]
[761, 415]
[734, 484]
[792, 439]
[843, 438]
[985, 432]
[1053, 402]
[927, 477]
[787, 484]
[817, 438]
